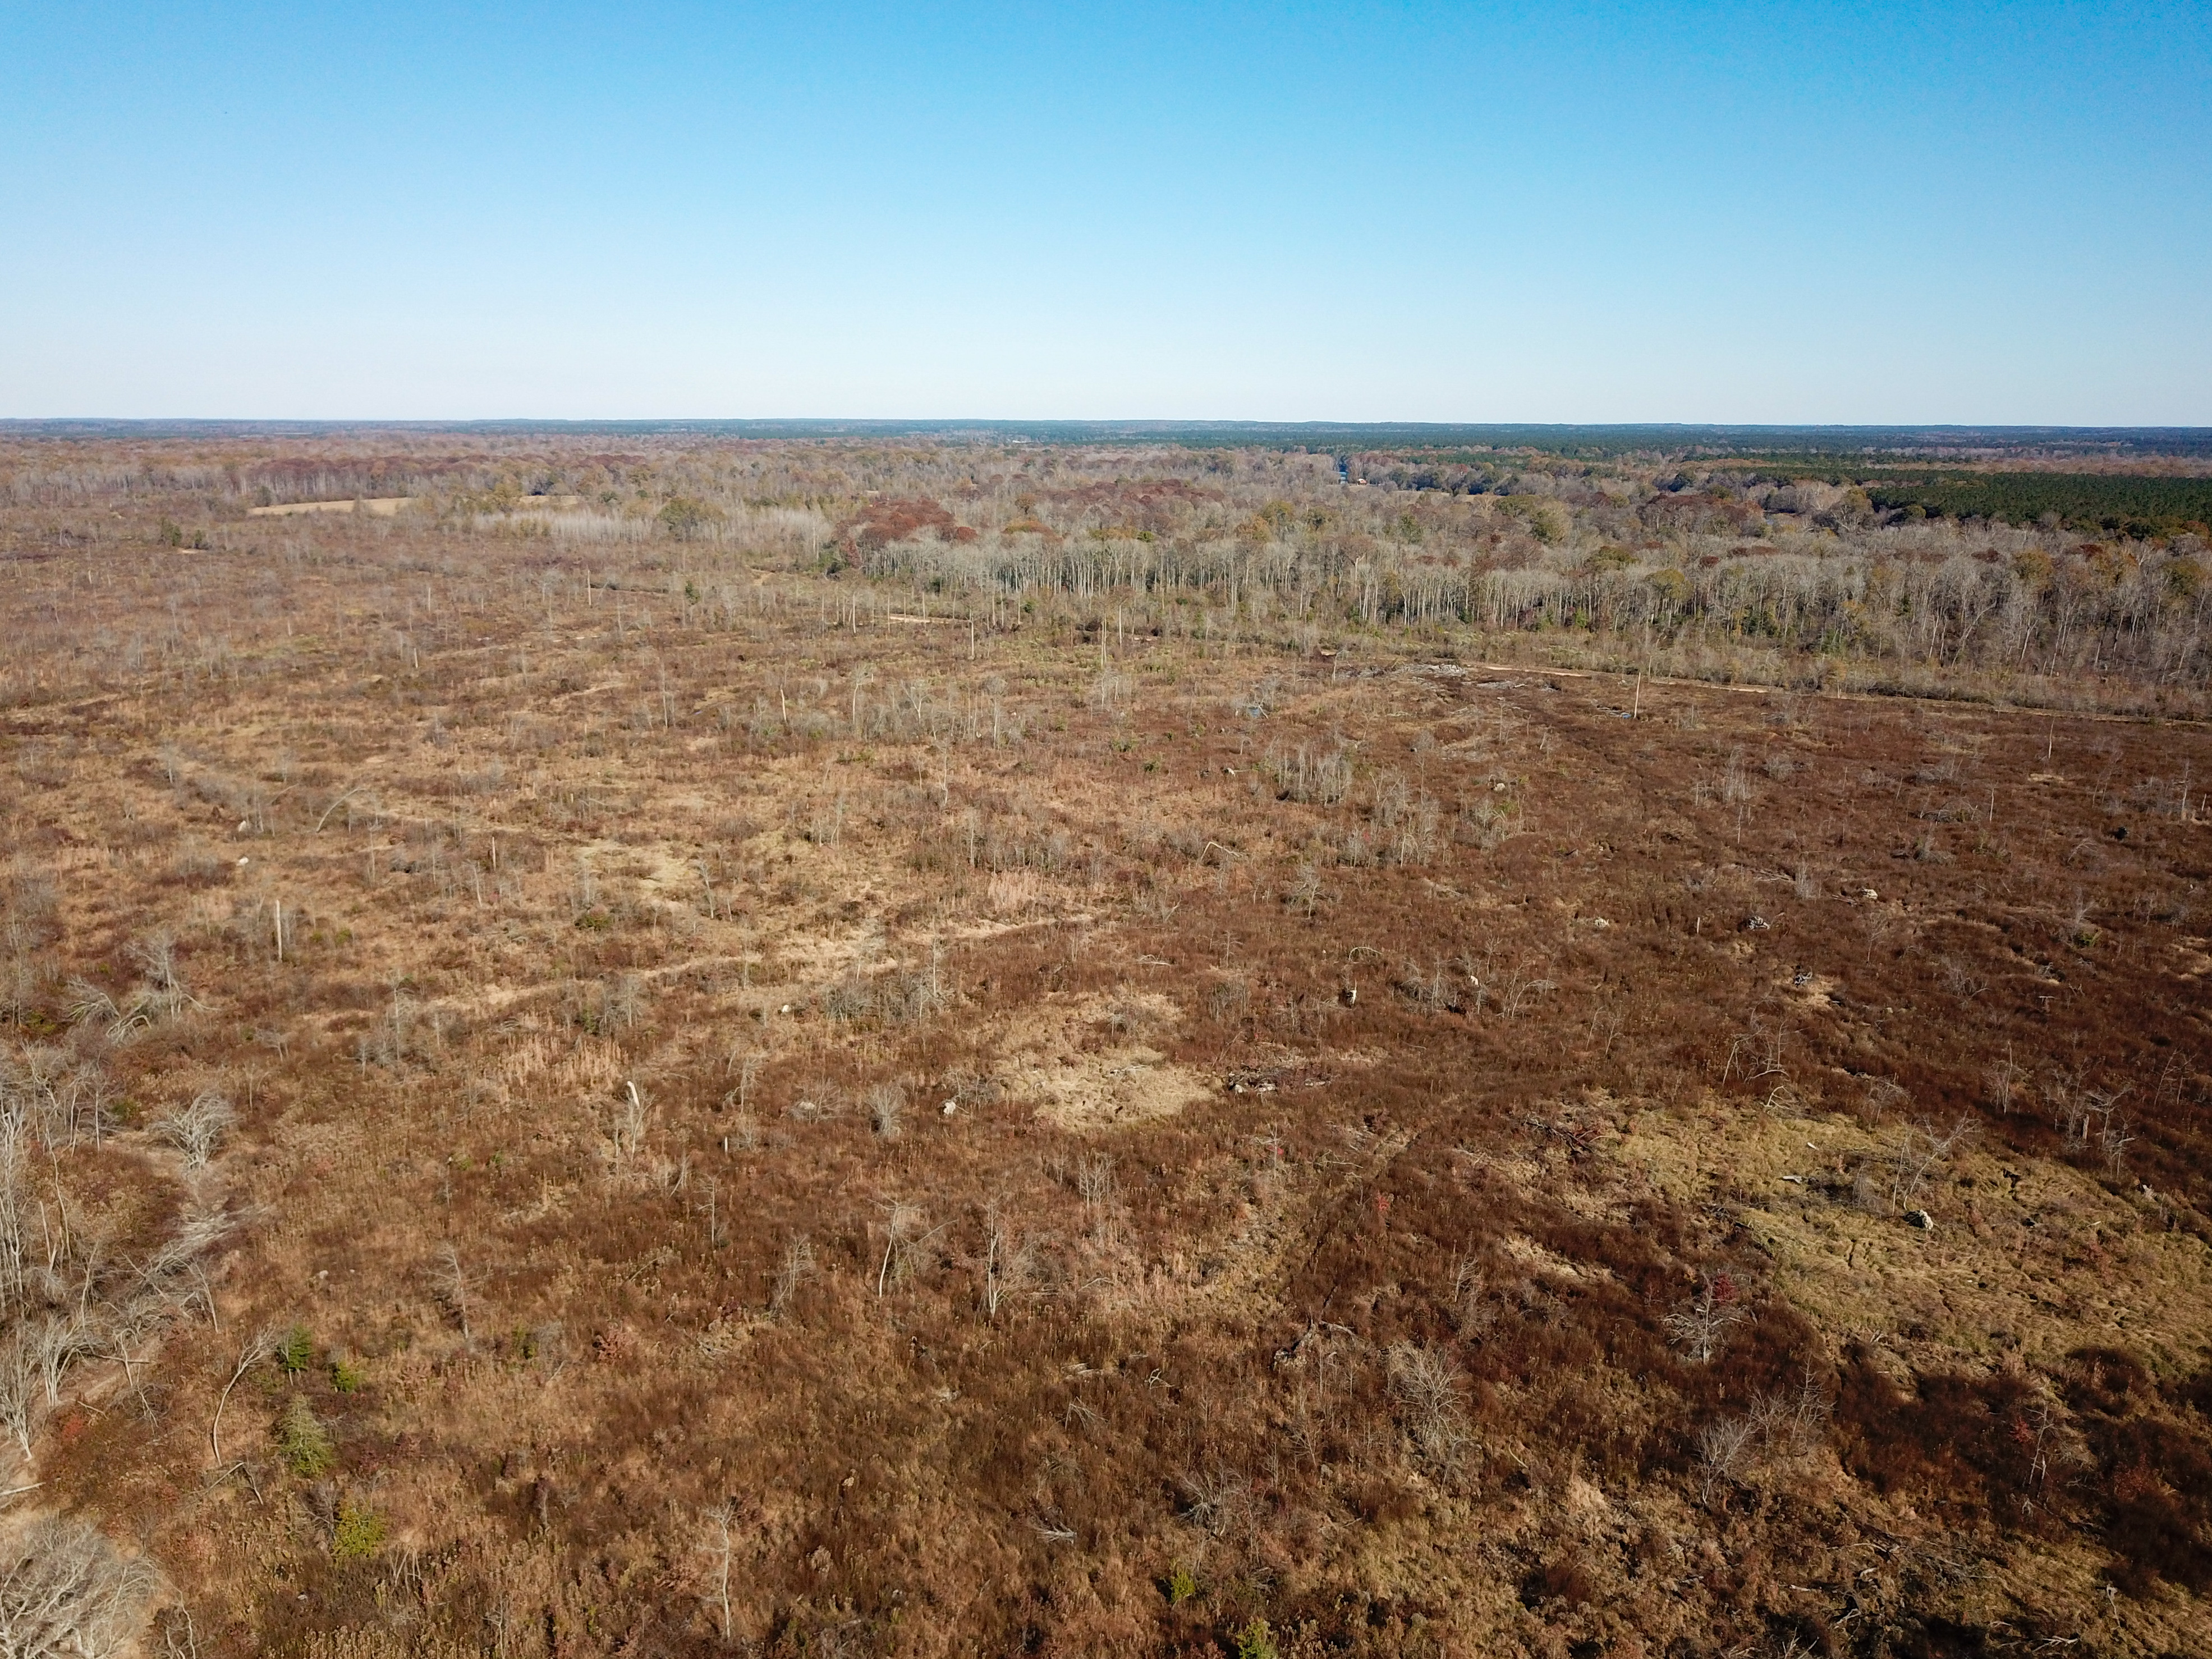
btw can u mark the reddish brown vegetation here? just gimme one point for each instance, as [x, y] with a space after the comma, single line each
[793, 1120]
[887, 521]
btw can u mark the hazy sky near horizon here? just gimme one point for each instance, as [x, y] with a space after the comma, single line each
[1779, 212]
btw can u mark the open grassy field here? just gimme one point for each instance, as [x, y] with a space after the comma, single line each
[816, 1048]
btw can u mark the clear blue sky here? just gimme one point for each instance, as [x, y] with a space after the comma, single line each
[1757, 212]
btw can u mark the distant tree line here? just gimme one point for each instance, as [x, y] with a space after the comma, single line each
[1793, 567]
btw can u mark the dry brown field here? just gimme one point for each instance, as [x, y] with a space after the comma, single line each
[659, 1076]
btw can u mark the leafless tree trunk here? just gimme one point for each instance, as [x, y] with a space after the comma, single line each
[1703, 1323]
[198, 1129]
[258, 1348]
[796, 1267]
[65, 1590]
[723, 1520]
[1723, 1447]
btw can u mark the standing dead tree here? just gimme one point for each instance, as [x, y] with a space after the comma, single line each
[905, 1232]
[1007, 1261]
[721, 1524]
[1920, 1155]
[198, 1129]
[796, 1268]
[1702, 1324]
[65, 1591]
[1725, 1446]
[260, 1347]
[1425, 1384]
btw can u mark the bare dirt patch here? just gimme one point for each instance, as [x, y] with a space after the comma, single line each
[380, 506]
[1087, 1068]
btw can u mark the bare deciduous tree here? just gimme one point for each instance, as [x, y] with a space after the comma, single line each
[1007, 1261]
[2005, 1078]
[629, 1135]
[198, 1129]
[1426, 1383]
[1724, 1450]
[20, 1395]
[1220, 1500]
[1701, 1325]
[65, 1591]
[722, 1523]
[1094, 1184]
[906, 1229]
[1920, 1155]
[259, 1347]
[1788, 1424]
[795, 1269]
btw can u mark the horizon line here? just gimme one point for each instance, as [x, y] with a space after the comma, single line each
[1018, 426]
